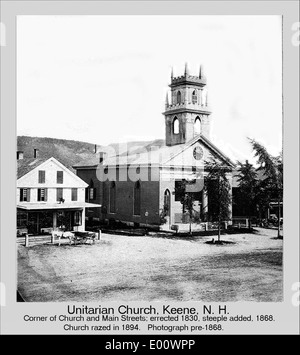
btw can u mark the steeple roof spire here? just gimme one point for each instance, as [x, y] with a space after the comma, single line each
[167, 99]
[201, 71]
[186, 70]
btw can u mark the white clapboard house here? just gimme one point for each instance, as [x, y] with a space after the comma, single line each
[49, 196]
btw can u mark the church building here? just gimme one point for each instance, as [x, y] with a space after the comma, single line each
[139, 186]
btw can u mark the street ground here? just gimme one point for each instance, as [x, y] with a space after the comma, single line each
[152, 268]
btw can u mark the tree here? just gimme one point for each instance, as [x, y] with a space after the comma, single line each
[263, 197]
[187, 200]
[163, 214]
[272, 168]
[188, 203]
[248, 183]
[218, 188]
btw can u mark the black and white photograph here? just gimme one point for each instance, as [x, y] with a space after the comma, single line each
[149, 158]
[149, 170]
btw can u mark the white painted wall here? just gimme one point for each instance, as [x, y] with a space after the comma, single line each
[186, 158]
[51, 197]
[51, 167]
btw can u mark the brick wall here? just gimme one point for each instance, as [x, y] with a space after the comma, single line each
[125, 198]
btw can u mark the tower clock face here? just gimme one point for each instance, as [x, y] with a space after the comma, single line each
[198, 153]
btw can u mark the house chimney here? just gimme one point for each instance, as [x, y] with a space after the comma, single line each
[102, 156]
[35, 153]
[20, 155]
[95, 149]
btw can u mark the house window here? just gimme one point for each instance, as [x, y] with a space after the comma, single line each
[77, 218]
[74, 194]
[42, 194]
[179, 97]
[59, 194]
[25, 195]
[194, 97]
[176, 125]
[41, 176]
[137, 199]
[197, 126]
[60, 177]
[21, 219]
[112, 197]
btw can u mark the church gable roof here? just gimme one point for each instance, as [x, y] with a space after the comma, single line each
[185, 154]
[161, 155]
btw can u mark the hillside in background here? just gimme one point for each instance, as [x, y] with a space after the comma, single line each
[66, 151]
[70, 152]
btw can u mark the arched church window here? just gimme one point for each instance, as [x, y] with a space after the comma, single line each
[176, 125]
[179, 97]
[197, 126]
[167, 202]
[137, 199]
[112, 197]
[194, 97]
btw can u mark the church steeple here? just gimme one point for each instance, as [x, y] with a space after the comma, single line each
[186, 108]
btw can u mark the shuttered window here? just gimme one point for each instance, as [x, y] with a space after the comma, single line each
[59, 194]
[25, 195]
[42, 194]
[42, 176]
[74, 194]
[60, 177]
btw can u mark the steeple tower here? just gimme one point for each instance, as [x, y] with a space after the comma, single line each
[188, 114]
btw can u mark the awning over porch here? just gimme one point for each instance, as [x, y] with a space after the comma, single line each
[56, 206]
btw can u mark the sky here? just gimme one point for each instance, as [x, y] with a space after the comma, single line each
[104, 79]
